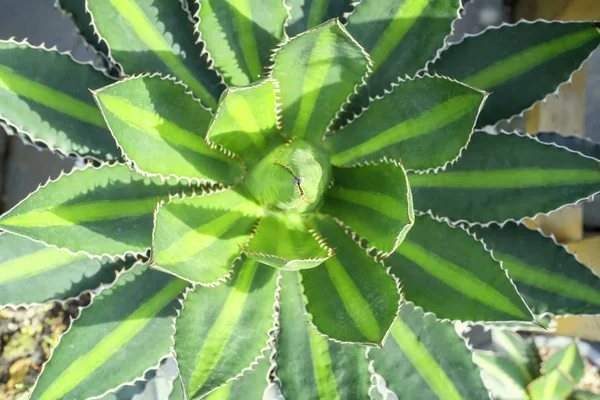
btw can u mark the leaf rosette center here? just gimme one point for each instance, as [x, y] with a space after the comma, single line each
[292, 177]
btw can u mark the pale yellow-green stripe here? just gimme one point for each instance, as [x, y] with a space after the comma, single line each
[505, 178]
[222, 393]
[155, 126]
[419, 357]
[148, 33]
[243, 19]
[353, 300]
[552, 380]
[34, 264]
[459, 279]
[522, 62]
[383, 204]
[550, 281]
[49, 97]
[428, 121]
[197, 240]
[110, 344]
[219, 333]
[407, 14]
[314, 80]
[322, 366]
[505, 341]
[496, 372]
[67, 215]
[240, 111]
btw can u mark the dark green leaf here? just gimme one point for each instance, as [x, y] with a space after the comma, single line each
[351, 297]
[549, 278]
[95, 355]
[425, 359]
[161, 128]
[306, 14]
[506, 176]
[239, 35]
[44, 95]
[469, 285]
[221, 331]
[308, 365]
[155, 36]
[506, 60]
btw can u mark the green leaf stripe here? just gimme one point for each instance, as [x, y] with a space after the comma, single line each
[438, 121]
[351, 297]
[98, 211]
[221, 331]
[308, 365]
[33, 273]
[306, 14]
[400, 36]
[506, 176]
[424, 358]
[246, 121]
[324, 57]
[161, 128]
[239, 35]
[91, 358]
[554, 385]
[469, 284]
[56, 111]
[546, 51]
[284, 241]
[142, 42]
[198, 238]
[549, 278]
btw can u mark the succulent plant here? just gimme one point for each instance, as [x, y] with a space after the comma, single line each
[246, 171]
[514, 369]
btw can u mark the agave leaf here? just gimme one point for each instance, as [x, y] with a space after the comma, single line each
[425, 359]
[97, 211]
[306, 14]
[401, 36]
[284, 241]
[317, 71]
[198, 238]
[54, 109]
[375, 201]
[351, 297]
[425, 122]
[33, 273]
[239, 35]
[469, 285]
[552, 386]
[246, 121]
[95, 354]
[308, 365]
[549, 278]
[568, 361]
[155, 36]
[522, 351]
[161, 128]
[76, 10]
[506, 60]
[222, 331]
[177, 392]
[506, 176]
[250, 386]
[503, 376]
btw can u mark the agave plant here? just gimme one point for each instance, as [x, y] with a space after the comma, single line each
[247, 171]
[514, 370]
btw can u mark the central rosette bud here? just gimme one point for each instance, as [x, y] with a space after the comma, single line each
[291, 177]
